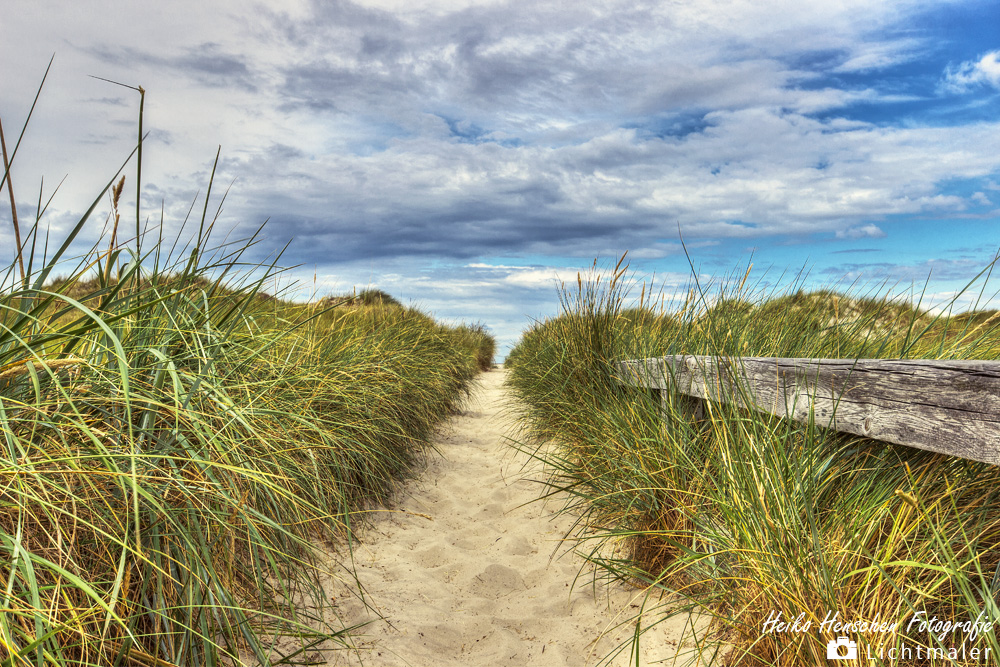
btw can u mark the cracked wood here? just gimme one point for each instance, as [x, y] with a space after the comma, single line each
[945, 406]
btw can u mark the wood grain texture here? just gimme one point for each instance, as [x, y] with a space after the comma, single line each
[951, 407]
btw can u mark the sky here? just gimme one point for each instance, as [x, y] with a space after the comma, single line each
[467, 155]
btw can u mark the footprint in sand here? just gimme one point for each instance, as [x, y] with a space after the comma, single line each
[476, 585]
[496, 581]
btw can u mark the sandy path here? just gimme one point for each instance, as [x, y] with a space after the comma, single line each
[464, 576]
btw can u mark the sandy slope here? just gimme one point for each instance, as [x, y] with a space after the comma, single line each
[463, 575]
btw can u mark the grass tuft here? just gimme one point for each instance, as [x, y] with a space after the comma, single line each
[175, 444]
[743, 516]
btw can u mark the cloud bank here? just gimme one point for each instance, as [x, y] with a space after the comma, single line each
[391, 139]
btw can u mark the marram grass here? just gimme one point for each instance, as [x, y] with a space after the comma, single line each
[174, 444]
[170, 456]
[745, 518]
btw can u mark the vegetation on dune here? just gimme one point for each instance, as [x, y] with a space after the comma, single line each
[174, 442]
[742, 516]
[374, 303]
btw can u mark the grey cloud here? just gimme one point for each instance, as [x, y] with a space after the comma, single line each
[280, 152]
[107, 101]
[217, 68]
[514, 69]
[206, 63]
[336, 17]
[325, 86]
[463, 231]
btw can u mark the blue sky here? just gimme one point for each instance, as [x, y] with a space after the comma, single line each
[465, 155]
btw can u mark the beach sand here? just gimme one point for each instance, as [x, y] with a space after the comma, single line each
[469, 569]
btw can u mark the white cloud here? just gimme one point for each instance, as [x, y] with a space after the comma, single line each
[496, 267]
[872, 56]
[550, 277]
[972, 74]
[868, 231]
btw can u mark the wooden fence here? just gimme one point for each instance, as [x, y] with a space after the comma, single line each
[951, 407]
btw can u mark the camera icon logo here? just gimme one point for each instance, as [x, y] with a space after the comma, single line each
[841, 648]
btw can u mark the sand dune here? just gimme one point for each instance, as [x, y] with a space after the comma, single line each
[463, 572]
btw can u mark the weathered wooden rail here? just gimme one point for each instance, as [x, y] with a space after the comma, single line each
[950, 407]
